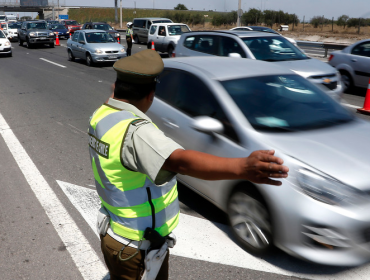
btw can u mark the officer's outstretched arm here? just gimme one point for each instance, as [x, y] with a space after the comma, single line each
[259, 167]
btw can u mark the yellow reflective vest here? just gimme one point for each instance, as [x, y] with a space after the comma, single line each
[133, 201]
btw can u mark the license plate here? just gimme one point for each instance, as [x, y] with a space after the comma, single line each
[42, 38]
[112, 57]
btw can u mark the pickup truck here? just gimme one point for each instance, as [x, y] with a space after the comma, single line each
[165, 36]
[35, 33]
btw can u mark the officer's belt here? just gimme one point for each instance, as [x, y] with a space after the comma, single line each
[128, 242]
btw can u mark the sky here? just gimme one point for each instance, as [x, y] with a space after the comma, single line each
[307, 8]
[302, 8]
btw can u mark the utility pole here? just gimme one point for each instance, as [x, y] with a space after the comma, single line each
[239, 12]
[120, 13]
[58, 10]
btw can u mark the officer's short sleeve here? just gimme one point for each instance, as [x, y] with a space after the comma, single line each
[145, 149]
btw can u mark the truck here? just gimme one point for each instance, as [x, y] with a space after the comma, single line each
[11, 18]
[35, 33]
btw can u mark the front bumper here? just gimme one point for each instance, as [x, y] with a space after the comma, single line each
[35, 40]
[5, 50]
[318, 232]
[12, 37]
[107, 57]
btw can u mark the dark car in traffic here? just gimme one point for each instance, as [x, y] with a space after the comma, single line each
[102, 26]
[62, 31]
[35, 33]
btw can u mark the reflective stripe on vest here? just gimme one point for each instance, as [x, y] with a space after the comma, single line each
[133, 201]
[128, 32]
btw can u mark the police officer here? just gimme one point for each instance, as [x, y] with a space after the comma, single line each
[135, 164]
[129, 38]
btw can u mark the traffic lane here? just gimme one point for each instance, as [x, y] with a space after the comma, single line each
[30, 246]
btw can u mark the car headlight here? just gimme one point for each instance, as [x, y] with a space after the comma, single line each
[122, 50]
[51, 34]
[117, 35]
[98, 51]
[7, 44]
[328, 190]
[33, 34]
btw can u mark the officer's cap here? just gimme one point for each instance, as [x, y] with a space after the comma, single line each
[140, 68]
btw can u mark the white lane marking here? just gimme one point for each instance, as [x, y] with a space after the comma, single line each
[78, 129]
[350, 105]
[60, 65]
[211, 243]
[84, 256]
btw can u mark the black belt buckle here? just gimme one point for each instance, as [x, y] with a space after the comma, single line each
[156, 240]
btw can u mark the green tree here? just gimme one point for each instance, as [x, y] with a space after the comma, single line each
[181, 7]
[253, 16]
[342, 20]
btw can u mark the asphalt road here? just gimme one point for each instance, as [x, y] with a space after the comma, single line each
[45, 105]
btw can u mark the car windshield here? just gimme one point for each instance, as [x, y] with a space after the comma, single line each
[57, 26]
[99, 37]
[2, 34]
[285, 103]
[14, 25]
[102, 26]
[2, 17]
[275, 48]
[36, 25]
[177, 29]
[71, 22]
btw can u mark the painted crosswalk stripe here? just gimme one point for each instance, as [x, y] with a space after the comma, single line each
[84, 256]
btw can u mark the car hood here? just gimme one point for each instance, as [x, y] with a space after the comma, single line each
[308, 67]
[341, 151]
[39, 30]
[115, 46]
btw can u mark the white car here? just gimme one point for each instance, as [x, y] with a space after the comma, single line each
[5, 45]
[12, 30]
[165, 36]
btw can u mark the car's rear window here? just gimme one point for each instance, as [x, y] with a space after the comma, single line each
[285, 103]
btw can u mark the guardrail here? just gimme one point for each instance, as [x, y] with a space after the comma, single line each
[321, 45]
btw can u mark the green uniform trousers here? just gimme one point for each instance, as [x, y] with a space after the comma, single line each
[132, 269]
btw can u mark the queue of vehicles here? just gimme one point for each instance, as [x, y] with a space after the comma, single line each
[277, 99]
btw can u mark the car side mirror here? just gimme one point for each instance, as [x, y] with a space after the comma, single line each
[207, 125]
[82, 42]
[235, 55]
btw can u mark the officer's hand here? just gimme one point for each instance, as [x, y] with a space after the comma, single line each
[260, 166]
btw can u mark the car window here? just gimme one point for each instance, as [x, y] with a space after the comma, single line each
[190, 95]
[37, 25]
[153, 29]
[162, 31]
[202, 43]
[229, 45]
[162, 21]
[2, 34]
[99, 37]
[273, 48]
[75, 36]
[149, 23]
[177, 29]
[281, 103]
[81, 37]
[362, 49]
[102, 27]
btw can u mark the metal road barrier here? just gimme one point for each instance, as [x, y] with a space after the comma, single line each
[321, 45]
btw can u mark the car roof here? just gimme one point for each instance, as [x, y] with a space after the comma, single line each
[236, 33]
[151, 18]
[91, 30]
[226, 68]
[169, 23]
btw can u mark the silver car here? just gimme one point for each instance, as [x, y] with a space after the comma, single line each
[353, 63]
[261, 46]
[230, 107]
[94, 46]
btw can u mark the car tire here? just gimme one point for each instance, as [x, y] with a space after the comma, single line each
[70, 56]
[89, 61]
[250, 220]
[347, 81]
[20, 42]
[149, 45]
[170, 51]
[52, 45]
[28, 45]
[10, 54]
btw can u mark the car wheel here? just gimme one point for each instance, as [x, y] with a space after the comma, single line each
[347, 81]
[52, 45]
[28, 44]
[70, 56]
[149, 45]
[89, 61]
[170, 51]
[250, 221]
[20, 42]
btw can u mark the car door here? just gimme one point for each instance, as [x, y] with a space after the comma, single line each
[360, 63]
[228, 45]
[73, 43]
[181, 96]
[200, 45]
[161, 35]
[81, 45]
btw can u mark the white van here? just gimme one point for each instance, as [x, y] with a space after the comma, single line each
[2, 18]
[142, 26]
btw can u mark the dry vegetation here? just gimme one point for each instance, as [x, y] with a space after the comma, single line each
[325, 33]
